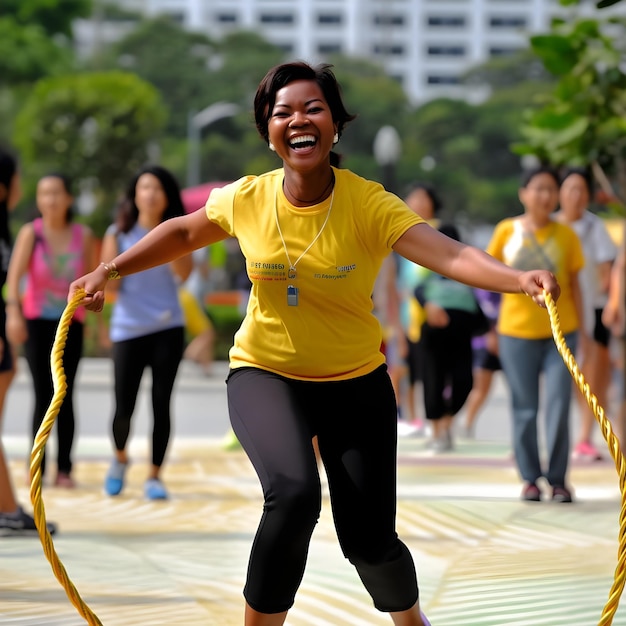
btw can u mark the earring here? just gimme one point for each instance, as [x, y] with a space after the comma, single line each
[270, 145]
[336, 138]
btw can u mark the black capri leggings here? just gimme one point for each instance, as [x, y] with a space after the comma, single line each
[275, 419]
[41, 334]
[162, 352]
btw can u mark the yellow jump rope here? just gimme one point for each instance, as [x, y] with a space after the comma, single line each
[60, 388]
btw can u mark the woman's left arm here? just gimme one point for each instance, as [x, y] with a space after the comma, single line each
[426, 246]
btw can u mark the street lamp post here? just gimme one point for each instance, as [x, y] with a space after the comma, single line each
[195, 123]
[387, 148]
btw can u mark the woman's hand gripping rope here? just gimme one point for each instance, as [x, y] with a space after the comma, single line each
[614, 448]
[36, 457]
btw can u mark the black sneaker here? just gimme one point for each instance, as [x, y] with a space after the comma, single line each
[20, 524]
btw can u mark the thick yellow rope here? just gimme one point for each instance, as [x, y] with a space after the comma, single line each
[36, 457]
[614, 448]
[60, 388]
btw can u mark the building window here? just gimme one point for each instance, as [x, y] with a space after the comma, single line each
[446, 51]
[330, 19]
[388, 20]
[226, 18]
[287, 48]
[176, 16]
[507, 21]
[276, 18]
[329, 48]
[446, 21]
[503, 51]
[443, 80]
[388, 49]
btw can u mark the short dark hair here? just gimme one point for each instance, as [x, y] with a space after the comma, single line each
[584, 173]
[530, 173]
[281, 75]
[429, 190]
[450, 230]
[128, 213]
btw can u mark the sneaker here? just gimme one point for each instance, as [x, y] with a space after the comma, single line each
[114, 481]
[466, 432]
[154, 489]
[64, 480]
[587, 451]
[443, 443]
[410, 429]
[561, 494]
[424, 619]
[20, 524]
[531, 493]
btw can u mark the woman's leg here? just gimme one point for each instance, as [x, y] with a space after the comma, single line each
[166, 352]
[65, 420]
[521, 361]
[558, 386]
[267, 415]
[357, 439]
[129, 361]
[8, 500]
[37, 352]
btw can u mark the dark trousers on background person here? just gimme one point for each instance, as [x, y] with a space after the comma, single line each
[355, 421]
[447, 365]
[37, 350]
[162, 352]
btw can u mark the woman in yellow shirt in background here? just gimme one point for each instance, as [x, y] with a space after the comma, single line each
[527, 349]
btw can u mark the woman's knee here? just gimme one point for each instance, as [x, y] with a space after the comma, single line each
[297, 500]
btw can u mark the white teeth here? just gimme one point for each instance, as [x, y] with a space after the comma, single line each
[302, 139]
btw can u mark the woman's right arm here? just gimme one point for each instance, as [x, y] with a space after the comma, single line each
[18, 266]
[165, 243]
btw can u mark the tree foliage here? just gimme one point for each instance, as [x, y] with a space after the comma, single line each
[172, 59]
[28, 54]
[583, 121]
[53, 16]
[89, 126]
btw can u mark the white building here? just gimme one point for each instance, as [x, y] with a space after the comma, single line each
[425, 44]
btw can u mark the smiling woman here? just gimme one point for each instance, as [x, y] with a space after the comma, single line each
[306, 362]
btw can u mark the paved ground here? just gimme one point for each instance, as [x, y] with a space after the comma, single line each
[484, 558]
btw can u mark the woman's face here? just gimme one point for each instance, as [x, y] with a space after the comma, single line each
[574, 197]
[421, 203]
[150, 198]
[53, 199]
[540, 196]
[301, 125]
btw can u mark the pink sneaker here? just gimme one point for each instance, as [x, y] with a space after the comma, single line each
[587, 451]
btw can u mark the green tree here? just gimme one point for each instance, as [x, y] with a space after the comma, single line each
[583, 121]
[54, 16]
[175, 61]
[27, 53]
[94, 127]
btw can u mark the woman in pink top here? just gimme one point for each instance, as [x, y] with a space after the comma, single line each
[50, 252]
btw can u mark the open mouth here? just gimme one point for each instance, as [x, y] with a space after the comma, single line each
[302, 142]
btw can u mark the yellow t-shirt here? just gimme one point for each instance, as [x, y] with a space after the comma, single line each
[332, 333]
[554, 247]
